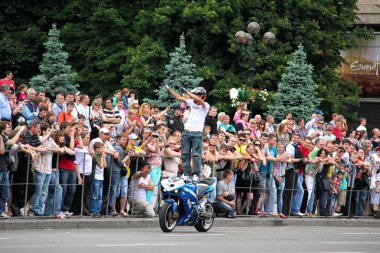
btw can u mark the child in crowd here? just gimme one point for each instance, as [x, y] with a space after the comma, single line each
[98, 165]
[337, 193]
[242, 107]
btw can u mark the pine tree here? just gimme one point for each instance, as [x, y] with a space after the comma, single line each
[56, 75]
[296, 91]
[179, 73]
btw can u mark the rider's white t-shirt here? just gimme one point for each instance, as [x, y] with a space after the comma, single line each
[198, 113]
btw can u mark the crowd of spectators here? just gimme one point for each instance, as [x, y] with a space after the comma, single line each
[74, 156]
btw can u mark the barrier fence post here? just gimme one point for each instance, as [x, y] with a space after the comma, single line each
[56, 184]
[26, 187]
[83, 184]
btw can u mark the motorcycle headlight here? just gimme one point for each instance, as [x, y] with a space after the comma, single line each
[164, 190]
[175, 191]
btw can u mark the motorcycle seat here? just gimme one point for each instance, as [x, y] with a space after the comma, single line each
[202, 188]
[208, 181]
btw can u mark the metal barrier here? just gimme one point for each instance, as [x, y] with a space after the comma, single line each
[261, 194]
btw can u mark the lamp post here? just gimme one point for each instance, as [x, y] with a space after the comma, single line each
[247, 39]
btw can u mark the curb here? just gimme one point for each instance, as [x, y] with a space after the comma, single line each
[120, 223]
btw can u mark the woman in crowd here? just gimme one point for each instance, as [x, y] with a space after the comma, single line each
[97, 119]
[146, 118]
[172, 159]
[282, 133]
[226, 128]
[279, 177]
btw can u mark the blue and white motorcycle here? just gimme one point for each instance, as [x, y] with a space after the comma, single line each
[186, 203]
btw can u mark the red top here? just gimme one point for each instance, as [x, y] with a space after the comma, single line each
[337, 132]
[21, 97]
[66, 161]
[305, 152]
[7, 82]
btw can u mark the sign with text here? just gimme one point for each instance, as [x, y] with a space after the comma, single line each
[362, 65]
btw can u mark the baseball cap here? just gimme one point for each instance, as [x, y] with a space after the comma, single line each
[78, 93]
[133, 137]
[104, 130]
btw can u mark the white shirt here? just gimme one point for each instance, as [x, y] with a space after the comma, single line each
[119, 127]
[85, 111]
[83, 160]
[107, 145]
[361, 128]
[198, 113]
[135, 191]
[99, 173]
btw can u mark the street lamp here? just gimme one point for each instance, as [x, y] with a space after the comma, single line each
[247, 38]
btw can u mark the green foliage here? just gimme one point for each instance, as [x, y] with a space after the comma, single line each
[141, 75]
[296, 92]
[116, 41]
[56, 76]
[179, 72]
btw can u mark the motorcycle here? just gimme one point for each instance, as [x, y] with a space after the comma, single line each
[186, 203]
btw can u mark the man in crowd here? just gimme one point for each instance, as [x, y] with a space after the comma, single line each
[58, 105]
[8, 81]
[225, 195]
[30, 110]
[175, 121]
[211, 120]
[5, 107]
[140, 183]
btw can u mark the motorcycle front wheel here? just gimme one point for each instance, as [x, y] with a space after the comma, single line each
[166, 218]
[204, 225]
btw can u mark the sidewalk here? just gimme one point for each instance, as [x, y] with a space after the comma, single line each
[136, 222]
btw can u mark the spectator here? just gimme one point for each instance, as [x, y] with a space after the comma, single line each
[226, 128]
[329, 134]
[270, 125]
[283, 133]
[175, 121]
[137, 193]
[337, 130]
[279, 176]
[225, 195]
[116, 167]
[99, 164]
[363, 123]
[172, 159]
[291, 175]
[120, 108]
[8, 81]
[4, 168]
[116, 96]
[42, 170]
[83, 168]
[300, 129]
[84, 109]
[211, 120]
[242, 107]
[146, 117]
[375, 140]
[5, 107]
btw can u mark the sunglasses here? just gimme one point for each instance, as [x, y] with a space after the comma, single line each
[257, 144]
[212, 145]
[241, 139]
[173, 143]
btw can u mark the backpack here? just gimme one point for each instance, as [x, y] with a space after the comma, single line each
[298, 155]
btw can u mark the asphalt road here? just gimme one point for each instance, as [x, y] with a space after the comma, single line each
[186, 239]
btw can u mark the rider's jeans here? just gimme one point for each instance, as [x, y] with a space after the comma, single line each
[191, 146]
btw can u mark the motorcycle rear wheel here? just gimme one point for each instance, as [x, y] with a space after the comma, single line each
[206, 224]
[166, 219]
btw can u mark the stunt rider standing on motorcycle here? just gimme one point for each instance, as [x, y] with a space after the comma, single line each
[193, 133]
